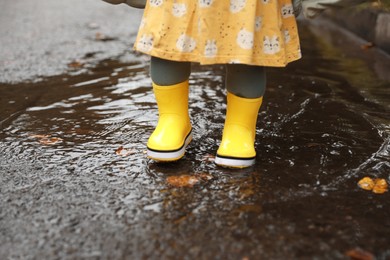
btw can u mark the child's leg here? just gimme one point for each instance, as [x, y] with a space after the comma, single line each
[173, 130]
[246, 86]
[245, 81]
[168, 73]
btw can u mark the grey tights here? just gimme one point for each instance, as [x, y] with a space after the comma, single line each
[241, 80]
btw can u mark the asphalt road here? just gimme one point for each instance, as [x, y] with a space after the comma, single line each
[39, 38]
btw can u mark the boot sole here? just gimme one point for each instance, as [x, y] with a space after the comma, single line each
[169, 155]
[234, 162]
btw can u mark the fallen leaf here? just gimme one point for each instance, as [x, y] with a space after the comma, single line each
[359, 254]
[368, 45]
[205, 176]
[366, 183]
[75, 64]
[47, 140]
[101, 37]
[208, 158]
[380, 187]
[124, 151]
[183, 181]
[50, 140]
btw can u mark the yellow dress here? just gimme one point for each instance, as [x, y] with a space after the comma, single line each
[253, 32]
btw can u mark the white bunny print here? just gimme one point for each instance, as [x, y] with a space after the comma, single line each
[178, 10]
[245, 39]
[211, 49]
[287, 11]
[205, 3]
[185, 43]
[271, 45]
[237, 5]
[156, 3]
[145, 43]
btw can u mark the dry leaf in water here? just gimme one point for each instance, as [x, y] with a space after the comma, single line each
[359, 254]
[208, 158]
[47, 139]
[205, 176]
[380, 187]
[123, 151]
[183, 181]
[368, 45]
[50, 140]
[366, 183]
[377, 186]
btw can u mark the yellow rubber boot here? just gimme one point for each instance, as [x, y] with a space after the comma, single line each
[173, 131]
[237, 149]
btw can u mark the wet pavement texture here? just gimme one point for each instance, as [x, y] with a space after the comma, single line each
[76, 183]
[40, 38]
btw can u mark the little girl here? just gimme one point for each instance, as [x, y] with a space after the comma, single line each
[246, 35]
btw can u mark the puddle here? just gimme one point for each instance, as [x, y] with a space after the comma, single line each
[324, 125]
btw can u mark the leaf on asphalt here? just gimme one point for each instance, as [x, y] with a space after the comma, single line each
[124, 151]
[368, 45]
[104, 38]
[359, 254]
[377, 186]
[75, 64]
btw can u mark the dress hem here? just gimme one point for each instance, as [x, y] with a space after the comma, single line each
[234, 59]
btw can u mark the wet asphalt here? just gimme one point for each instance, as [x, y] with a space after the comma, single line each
[76, 112]
[41, 37]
